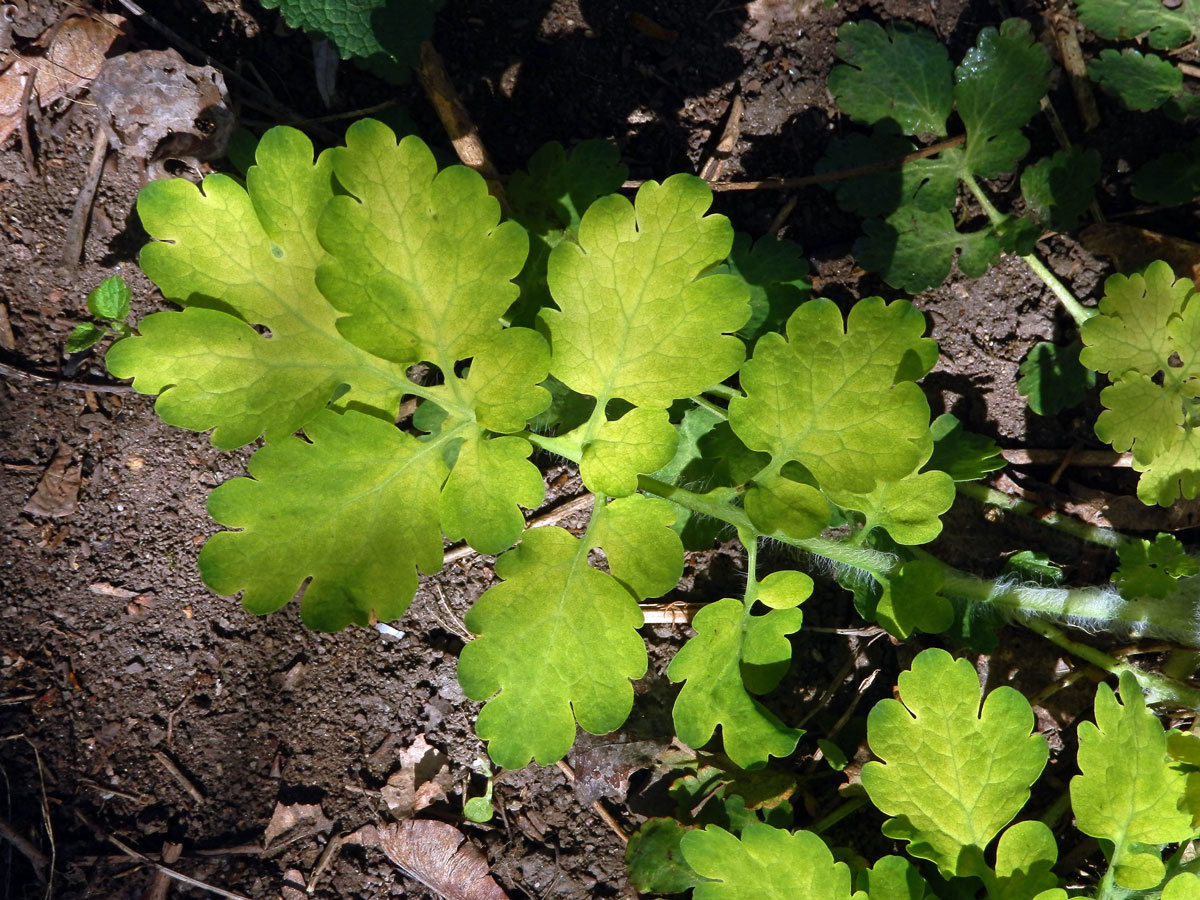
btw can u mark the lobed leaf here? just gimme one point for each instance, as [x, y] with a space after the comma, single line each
[765, 863]
[1151, 569]
[998, 87]
[891, 878]
[1127, 793]
[1139, 82]
[240, 257]
[367, 495]
[1025, 858]
[1147, 339]
[1166, 27]
[636, 320]
[900, 73]
[911, 601]
[952, 774]
[914, 249]
[732, 655]
[578, 624]
[616, 452]
[418, 259]
[491, 480]
[837, 397]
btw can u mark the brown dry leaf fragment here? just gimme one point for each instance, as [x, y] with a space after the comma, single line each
[69, 66]
[57, 494]
[650, 28]
[604, 770]
[435, 854]
[155, 106]
[308, 816]
[1132, 248]
[424, 778]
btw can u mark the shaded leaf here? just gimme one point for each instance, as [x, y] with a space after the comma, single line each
[1126, 19]
[1057, 189]
[914, 249]
[901, 73]
[1053, 379]
[85, 335]
[962, 454]
[1140, 82]
[1151, 569]
[1172, 178]
[655, 860]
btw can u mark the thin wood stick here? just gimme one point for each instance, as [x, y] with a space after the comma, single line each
[1099, 459]
[431, 73]
[36, 857]
[1062, 23]
[40, 378]
[715, 165]
[554, 514]
[169, 872]
[787, 184]
[599, 808]
[77, 228]
[328, 855]
[1188, 69]
[45, 805]
[167, 763]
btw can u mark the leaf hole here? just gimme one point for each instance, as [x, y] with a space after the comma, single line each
[1174, 360]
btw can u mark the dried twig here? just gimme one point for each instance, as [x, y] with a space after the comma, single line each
[715, 165]
[431, 73]
[37, 859]
[1063, 25]
[1099, 459]
[328, 855]
[167, 763]
[600, 809]
[169, 872]
[554, 514]
[47, 380]
[77, 228]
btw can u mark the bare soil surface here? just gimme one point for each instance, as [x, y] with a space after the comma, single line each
[137, 705]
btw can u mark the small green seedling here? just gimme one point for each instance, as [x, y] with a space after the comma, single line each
[109, 303]
[479, 809]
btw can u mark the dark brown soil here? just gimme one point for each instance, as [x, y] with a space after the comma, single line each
[135, 703]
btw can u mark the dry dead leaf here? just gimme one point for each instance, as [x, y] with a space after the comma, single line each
[57, 494]
[155, 106]
[296, 816]
[1132, 248]
[435, 854]
[604, 770]
[67, 68]
[424, 778]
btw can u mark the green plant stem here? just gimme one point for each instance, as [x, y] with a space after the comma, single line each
[1078, 311]
[1094, 534]
[711, 407]
[828, 821]
[724, 391]
[1158, 688]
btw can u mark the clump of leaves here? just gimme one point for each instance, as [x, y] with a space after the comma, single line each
[1172, 178]
[953, 776]
[109, 303]
[1147, 341]
[899, 79]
